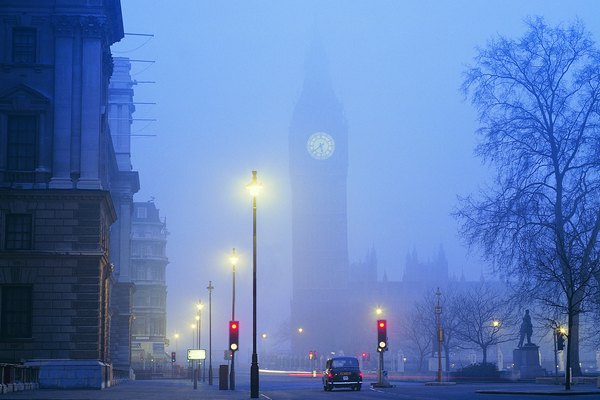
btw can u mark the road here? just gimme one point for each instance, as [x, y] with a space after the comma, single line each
[294, 386]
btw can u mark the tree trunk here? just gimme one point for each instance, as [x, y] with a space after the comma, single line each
[574, 342]
[484, 349]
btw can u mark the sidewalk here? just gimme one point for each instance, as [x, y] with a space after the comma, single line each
[136, 390]
[550, 390]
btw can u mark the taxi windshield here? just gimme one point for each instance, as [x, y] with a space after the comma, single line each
[344, 362]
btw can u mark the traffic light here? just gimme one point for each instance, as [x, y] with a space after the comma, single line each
[560, 340]
[173, 357]
[364, 356]
[234, 334]
[310, 355]
[381, 335]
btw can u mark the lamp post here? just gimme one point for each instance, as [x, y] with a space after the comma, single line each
[194, 377]
[264, 338]
[176, 336]
[199, 307]
[233, 259]
[254, 188]
[495, 328]
[440, 333]
[210, 288]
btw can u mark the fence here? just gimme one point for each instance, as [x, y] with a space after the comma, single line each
[16, 377]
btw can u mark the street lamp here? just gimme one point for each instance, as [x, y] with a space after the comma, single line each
[210, 288]
[264, 339]
[254, 188]
[233, 259]
[194, 327]
[199, 307]
[440, 332]
[496, 325]
[379, 311]
[176, 336]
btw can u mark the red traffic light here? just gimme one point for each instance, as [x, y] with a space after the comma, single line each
[381, 334]
[364, 355]
[234, 334]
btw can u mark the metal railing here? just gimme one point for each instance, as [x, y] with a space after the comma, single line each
[17, 377]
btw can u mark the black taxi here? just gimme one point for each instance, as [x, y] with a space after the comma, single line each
[342, 372]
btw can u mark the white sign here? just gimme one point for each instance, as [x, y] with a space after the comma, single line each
[196, 354]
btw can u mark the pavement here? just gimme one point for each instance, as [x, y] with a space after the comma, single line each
[181, 389]
[546, 390]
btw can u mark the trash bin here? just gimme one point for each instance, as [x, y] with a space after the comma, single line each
[223, 377]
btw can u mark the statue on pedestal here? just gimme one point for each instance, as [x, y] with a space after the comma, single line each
[526, 329]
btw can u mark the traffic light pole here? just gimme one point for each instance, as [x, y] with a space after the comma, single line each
[232, 372]
[380, 369]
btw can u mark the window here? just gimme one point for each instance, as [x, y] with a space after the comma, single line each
[15, 311]
[21, 144]
[24, 45]
[18, 232]
[141, 212]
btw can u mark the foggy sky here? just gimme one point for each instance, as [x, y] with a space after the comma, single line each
[228, 74]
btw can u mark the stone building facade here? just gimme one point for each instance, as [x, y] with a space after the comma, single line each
[148, 265]
[123, 186]
[57, 170]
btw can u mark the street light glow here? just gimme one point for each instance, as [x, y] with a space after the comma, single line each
[254, 187]
[233, 258]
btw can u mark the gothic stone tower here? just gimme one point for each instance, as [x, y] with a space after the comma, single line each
[318, 146]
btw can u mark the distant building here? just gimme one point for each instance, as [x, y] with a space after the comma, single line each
[123, 187]
[332, 296]
[148, 265]
[318, 141]
[57, 170]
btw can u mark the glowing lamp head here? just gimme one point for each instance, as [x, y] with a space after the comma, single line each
[254, 187]
[233, 258]
[233, 346]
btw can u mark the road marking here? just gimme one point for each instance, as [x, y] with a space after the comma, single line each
[265, 396]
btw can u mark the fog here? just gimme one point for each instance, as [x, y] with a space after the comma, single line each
[227, 75]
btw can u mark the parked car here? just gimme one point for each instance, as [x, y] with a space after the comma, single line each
[342, 372]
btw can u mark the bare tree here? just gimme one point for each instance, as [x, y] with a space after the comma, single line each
[538, 103]
[449, 320]
[484, 317]
[417, 338]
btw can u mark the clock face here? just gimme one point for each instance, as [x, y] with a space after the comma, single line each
[320, 145]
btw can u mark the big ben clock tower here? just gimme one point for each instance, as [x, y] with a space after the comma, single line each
[318, 153]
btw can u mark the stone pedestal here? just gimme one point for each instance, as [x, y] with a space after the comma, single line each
[527, 361]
